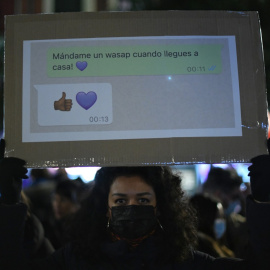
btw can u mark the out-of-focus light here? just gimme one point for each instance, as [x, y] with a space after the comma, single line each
[85, 173]
[268, 113]
[243, 187]
[223, 166]
[203, 170]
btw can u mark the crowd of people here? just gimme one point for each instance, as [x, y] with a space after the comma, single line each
[133, 218]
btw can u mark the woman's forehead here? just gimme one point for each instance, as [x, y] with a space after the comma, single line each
[124, 184]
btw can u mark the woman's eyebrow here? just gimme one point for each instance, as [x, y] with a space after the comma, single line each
[119, 194]
[144, 194]
[138, 194]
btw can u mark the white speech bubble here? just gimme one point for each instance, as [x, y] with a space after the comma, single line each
[99, 113]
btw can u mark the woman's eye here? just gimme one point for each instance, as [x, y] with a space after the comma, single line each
[144, 201]
[120, 201]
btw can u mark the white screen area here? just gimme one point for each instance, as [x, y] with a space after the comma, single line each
[130, 88]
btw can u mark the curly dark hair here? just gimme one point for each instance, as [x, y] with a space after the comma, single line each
[174, 213]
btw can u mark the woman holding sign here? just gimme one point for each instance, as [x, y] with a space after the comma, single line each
[135, 218]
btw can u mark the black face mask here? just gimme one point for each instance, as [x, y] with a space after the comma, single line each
[133, 221]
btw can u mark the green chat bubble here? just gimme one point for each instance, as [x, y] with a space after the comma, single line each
[134, 60]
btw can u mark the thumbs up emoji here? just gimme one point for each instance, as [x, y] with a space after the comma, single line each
[63, 104]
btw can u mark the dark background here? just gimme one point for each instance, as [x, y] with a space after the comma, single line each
[8, 7]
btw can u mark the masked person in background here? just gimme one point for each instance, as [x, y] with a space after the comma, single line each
[224, 185]
[134, 218]
[211, 226]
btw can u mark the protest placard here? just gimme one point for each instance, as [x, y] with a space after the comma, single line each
[136, 88]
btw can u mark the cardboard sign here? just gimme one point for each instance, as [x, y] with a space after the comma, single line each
[136, 88]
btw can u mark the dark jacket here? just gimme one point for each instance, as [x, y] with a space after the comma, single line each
[143, 258]
[35, 244]
[146, 256]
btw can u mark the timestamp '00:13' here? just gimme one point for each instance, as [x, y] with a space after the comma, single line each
[98, 119]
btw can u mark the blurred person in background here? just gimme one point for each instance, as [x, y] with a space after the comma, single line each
[225, 186]
[211, 226]
[60, 175]
[35, 243]
[66, 200]
[39, 193]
